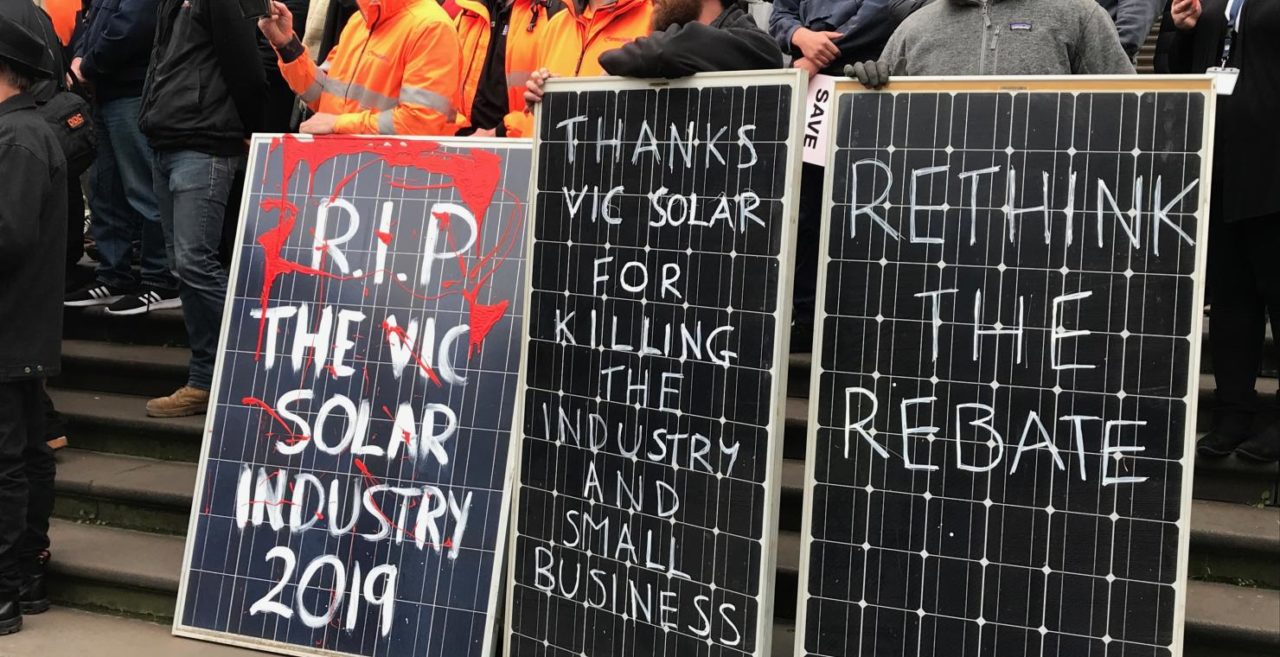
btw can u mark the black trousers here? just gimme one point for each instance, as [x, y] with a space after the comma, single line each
[1244, 280]
[27, 470]
[808, 239]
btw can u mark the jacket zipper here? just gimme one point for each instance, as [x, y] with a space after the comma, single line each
[586, 42]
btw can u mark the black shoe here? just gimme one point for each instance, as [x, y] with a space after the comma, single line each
[143, 302]
[1262, 448]
[10, 616]
[1220, 443]
[93, 294]
[33, 597]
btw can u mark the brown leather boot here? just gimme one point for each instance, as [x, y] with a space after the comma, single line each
[186, 401]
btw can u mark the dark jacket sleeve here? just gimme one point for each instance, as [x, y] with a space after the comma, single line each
[236, 46]
[1134, 19]
[691, 48]
[129, 30]
[869, 28]
[784, 20]
[1175, 51]
[23, 193]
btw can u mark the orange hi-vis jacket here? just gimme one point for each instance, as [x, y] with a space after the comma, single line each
[395, 70]
[529, 20]
[575, 39]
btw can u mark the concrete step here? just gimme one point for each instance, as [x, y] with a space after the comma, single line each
[1222, 620]
[128, 492]
[159, 328]
[65, 632]
[1235, 543]
[116, 423]
[127, 369]
[114, 570]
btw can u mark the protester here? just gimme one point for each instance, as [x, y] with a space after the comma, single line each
[112, 54]
[1014, 37]
[1244, 213]
[498, 54]
[1133, 20]
[38, 23]
[825, 35]
[695, 36]
[279, 102]
[203, 100]
[573, 43]
[395, 70]
[32, 225]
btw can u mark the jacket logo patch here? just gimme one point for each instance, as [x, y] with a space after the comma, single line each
[75, 121]
[1020, 26]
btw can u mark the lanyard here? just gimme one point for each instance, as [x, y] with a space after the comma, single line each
[1234, 10]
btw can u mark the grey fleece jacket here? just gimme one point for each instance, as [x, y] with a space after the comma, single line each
[1008, 37]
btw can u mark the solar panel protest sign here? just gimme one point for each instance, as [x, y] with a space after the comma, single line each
[1008, 343]
[352, 490]
[654, 367]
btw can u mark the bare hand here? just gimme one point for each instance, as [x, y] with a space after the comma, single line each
[818, 47]
[320, 124]
[1186, 13]
[75, 68]
[806, 65]
[533, 89]
[489, 132]
[278, 27]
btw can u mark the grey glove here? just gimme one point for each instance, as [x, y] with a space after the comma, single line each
[873, 75]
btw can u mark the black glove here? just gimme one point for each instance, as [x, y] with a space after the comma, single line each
[873, 75]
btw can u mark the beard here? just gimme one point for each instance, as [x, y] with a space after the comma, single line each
[675, 12]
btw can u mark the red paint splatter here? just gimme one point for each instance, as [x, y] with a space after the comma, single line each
[333, 371]
[293, 439]
[364, 471]
[396, 331]
[475, 174]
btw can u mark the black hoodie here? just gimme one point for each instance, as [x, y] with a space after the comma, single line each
[732, 42]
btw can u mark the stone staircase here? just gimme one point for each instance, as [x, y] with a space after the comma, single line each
[125, 490]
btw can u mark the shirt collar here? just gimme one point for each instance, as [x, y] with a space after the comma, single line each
[20, 102]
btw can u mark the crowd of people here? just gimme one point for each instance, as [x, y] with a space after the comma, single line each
[172, 90]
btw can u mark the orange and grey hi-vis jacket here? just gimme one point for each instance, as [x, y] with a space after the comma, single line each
[575, 39]
[395, 70]
[529, 20]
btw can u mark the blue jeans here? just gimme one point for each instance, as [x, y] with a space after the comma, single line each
[193, 190]
[124, 201]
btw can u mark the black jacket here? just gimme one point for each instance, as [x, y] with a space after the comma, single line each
[115, 43]
[33, 235]
[732, 42]
[205, 86]
[1246, 172]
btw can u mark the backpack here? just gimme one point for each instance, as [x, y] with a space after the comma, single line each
[67, 113]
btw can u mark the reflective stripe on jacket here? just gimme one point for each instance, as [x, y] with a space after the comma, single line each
[529, 20]
[573, 42]
[395, 70]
